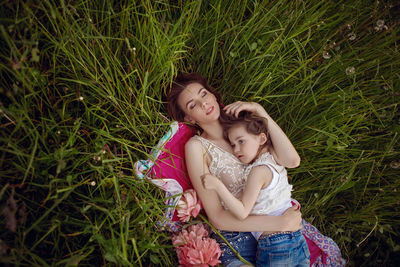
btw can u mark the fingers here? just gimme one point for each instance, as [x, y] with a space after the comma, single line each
[205, 180]
[235, 108]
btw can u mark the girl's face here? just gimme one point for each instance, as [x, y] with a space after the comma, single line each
[199, 104]
[244, 144]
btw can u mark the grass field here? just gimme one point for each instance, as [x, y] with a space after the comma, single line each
[82, 88]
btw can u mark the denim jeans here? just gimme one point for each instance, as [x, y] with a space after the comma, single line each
[285, 249]
[243, 242]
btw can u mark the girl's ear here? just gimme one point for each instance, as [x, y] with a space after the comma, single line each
[263, 138]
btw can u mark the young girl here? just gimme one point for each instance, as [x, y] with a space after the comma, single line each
[267, 191]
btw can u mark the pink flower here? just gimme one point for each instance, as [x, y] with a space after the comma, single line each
[195, 248]
[193, 231]
[188, 205]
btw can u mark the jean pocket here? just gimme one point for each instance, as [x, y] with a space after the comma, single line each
[279, 259]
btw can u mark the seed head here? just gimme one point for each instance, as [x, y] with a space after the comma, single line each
[350, 70]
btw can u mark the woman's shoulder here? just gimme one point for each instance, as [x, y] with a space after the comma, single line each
[194, 143]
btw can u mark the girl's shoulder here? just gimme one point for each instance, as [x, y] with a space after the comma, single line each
[266, 159]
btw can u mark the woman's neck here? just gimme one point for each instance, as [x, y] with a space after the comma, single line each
[213, 131]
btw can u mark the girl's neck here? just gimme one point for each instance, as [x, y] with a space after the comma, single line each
[261, 151]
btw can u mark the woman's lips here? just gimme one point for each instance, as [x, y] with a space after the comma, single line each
[210, 110]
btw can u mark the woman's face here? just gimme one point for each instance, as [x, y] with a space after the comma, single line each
[199, 104]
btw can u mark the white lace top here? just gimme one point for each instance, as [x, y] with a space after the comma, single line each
[225, 166]
[275, 198]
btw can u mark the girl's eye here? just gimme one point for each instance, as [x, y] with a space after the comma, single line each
[192, 106]
[240, 141]
[203, 94]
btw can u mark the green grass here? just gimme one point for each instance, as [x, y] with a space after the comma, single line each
[82, 90]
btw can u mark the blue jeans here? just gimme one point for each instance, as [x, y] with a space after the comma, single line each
[285, 249]
[243, 242]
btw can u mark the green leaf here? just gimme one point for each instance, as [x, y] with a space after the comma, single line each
[155, 259]
[35, 55]
[253, 46]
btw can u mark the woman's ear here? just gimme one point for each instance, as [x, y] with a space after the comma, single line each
[263, 138]
[189, 119]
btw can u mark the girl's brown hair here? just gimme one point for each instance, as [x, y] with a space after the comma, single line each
[179, 84]
[254, 124]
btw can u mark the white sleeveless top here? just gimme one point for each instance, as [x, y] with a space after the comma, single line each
[225, 166]
[275, 198]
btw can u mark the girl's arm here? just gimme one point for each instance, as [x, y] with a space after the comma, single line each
[283, 150]
[196, 163]
[259, 177]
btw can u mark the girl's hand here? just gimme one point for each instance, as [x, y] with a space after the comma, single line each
[210, 182]
[238, 106]
[293, 218]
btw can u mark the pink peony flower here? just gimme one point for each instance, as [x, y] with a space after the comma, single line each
[186, 235]
[188, 205]
[195, 248]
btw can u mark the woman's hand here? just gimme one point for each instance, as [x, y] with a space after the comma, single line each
[292, 218]
[238, 106]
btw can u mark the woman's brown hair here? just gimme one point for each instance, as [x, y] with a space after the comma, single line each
[179, 84]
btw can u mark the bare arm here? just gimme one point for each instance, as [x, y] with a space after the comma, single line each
[222, 219]
[283, 150]
[259, 177]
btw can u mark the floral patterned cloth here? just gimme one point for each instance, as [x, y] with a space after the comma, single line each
[329, 252]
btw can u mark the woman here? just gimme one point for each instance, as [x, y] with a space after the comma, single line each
[192, 100]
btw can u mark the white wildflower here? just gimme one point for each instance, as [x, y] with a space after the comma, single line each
[92, 183]
[350, 70]
[352, 36]
[80, 98]
[395, 164]
[380, 23]
[96, 158]
[326, 55]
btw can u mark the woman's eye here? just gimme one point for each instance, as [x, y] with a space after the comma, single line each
[241, 142]
[203, 94]
[192, 106]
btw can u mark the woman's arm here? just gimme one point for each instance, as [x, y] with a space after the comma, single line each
[283, 150]
[259, 177]
[222, 219]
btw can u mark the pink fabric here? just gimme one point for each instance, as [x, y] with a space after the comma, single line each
[170, 163]
[315, 252]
